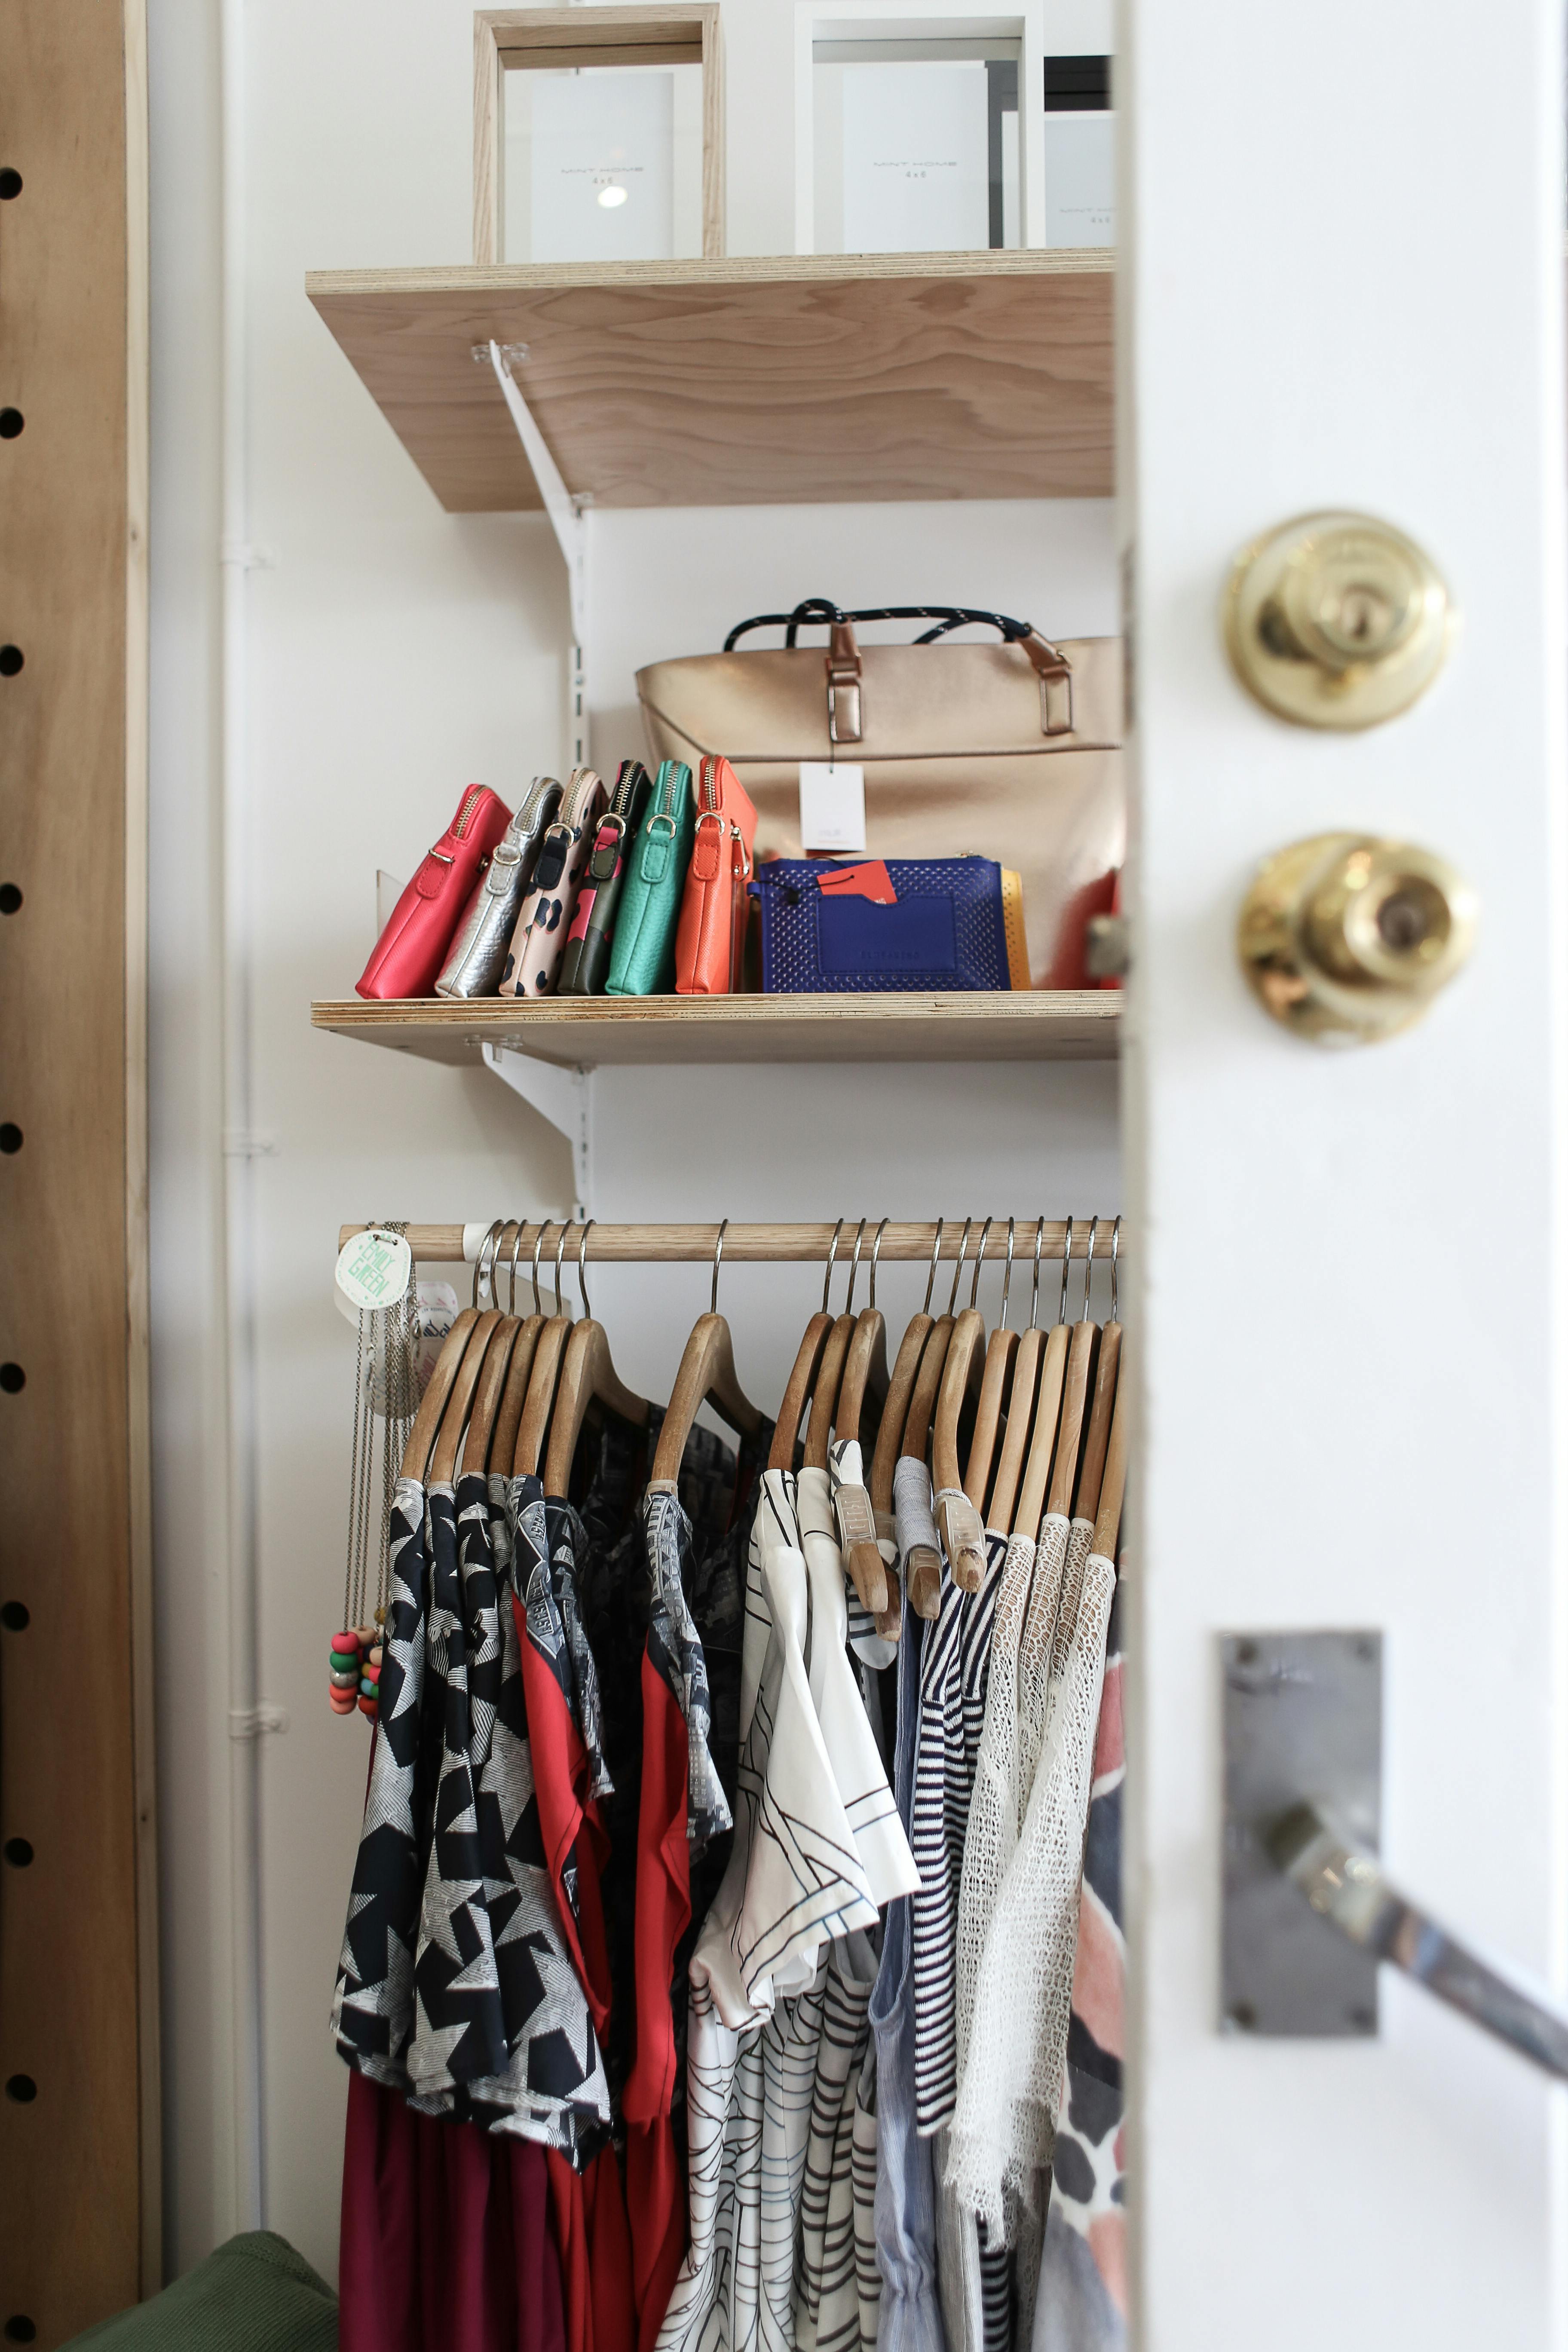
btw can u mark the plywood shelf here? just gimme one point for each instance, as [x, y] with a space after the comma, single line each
[807, 378]
[1043, 1025]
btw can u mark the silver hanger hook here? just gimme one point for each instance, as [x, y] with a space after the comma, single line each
[718, 1253]
[1067, 1262]
[958, 1268]
[561, 1305]
[538, 1246]
[1007, 1278]
[876, 1254]
[1088, 1267]
[980, 1259]
[491, 1242]
[1035, 1292]
[832, 1253]
[1115, 1246]
[854, 1269]
[583, 1233]
[931, 1275]
[517, 1235]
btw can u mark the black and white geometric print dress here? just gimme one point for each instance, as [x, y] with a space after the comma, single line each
[455, 1985]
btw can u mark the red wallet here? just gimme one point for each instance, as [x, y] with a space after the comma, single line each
[412, 948]
[709, 939]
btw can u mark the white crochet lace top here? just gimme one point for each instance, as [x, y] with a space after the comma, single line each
[1004, 2122]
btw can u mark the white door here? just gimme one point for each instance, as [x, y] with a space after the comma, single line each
[1342, 249]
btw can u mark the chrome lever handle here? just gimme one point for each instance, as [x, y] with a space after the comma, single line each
[1345, 1886]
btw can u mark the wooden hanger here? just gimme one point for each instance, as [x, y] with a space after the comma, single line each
[422, 1436]
[928, 1380]
[1031, 1508]
[962, 1535]
[587, 1376]
[1075, 1393]
[1085, 1503]
[509, 1412]
[923, 1564]
[1113, 1486]
[900, 1389]
[825, 1393]
[1021, 1395]
[1001, 1349]
[454, 1420]
[543, 1372]
[707, 1374]
[488, 1396]
[866, 1365]
[801, 1382]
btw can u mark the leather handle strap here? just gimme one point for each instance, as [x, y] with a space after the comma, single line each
[845, 711]
[1055, 672]
[843, 667]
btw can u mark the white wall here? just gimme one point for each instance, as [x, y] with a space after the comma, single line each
[393, 654]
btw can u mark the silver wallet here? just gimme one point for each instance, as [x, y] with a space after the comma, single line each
[479, 943]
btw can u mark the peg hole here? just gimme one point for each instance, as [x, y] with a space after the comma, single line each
[16, 1616]
[10, 182]
[10, 1135]
[18, 1852]
[11, 660]
[12, 1379]
[20, 2330]
[22, 2088]
[10, 897]
[11, 423]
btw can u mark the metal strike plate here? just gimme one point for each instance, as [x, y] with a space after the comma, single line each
[1302, 1719]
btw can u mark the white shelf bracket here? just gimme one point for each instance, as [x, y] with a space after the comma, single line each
[565, 1098]
[569, 518]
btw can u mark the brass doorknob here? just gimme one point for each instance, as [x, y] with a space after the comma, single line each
[1337, 620]
[1345, 939]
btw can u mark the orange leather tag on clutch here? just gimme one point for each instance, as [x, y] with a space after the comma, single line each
[871, 880]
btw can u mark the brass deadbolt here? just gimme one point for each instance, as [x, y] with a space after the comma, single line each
[1337, 620]
[1345, 939]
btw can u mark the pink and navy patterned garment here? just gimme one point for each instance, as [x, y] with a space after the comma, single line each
[1082, 2301]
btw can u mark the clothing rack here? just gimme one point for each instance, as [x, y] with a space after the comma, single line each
[757, 1244]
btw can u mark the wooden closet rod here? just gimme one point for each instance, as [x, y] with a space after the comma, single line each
[755, 1244]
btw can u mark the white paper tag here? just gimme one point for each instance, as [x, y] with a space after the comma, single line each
[373, 1269]
[832, 806]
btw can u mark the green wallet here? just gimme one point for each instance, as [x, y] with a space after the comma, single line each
[642, 957]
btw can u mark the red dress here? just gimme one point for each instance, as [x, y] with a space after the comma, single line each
[446, 2243]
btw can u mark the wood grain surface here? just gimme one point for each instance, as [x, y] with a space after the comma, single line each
[811, 377]
[1064, 1024]
[76, 1946]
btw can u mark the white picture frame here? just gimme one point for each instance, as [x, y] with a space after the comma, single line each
[896, 20]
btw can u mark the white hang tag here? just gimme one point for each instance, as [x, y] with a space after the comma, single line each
[437, 1313]
[374, 1271]
[832, 806]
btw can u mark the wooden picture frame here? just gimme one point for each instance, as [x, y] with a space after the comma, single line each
[554, 38]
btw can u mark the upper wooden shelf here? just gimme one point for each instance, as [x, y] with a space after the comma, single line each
[576, 1033]
[809, 378]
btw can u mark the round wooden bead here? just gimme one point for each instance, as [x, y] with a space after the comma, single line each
[345, 1642]
[367, 1706]
[342, 1702]
[343, 1662]
[375, 1653]
[365, 1635]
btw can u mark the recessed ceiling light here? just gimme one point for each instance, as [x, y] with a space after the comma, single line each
[612, 196]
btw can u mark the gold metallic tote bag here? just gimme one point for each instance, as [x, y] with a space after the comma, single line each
[1009, 751]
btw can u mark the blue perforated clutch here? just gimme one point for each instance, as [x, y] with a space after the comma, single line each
[958, 923]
